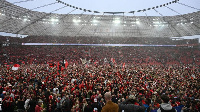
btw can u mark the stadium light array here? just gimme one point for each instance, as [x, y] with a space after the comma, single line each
[117, 21]
[137, 22]
[54, 20]
[76, 20]
[156, 22]
[2, 14]
[95, 21]
[25, 19]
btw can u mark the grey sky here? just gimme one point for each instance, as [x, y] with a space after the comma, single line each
[115, 6]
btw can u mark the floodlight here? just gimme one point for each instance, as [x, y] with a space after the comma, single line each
[137, 22]
[76, 20]
[25, 19]
[116, 21]
[156, 22]
[95, 21]
[54, 20]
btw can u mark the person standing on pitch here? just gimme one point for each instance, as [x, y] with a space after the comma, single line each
[110, 106]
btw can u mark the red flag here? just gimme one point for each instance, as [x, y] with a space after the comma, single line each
[58, 64]
[16, 65]
[123, 66]
[66, 64]
[62, 68]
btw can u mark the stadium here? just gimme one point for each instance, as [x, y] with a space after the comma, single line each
[53, 62]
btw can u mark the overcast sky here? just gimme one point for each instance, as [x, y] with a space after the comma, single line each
[114, 6]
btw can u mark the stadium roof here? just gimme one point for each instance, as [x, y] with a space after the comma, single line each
[124, 7]
[71, 19]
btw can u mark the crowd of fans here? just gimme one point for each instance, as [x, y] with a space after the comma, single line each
[101, 40]
[80, 87]
[128, 55]
[108, 40]
[74, 78]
